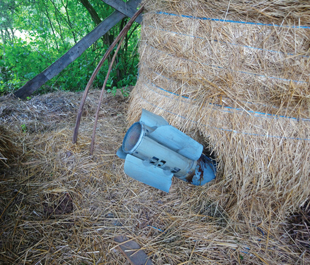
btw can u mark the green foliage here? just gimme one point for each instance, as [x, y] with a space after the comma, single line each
[24, 128]
[112, 91]
[125, 91]
[36, 33]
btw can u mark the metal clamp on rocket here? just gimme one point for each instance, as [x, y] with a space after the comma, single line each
[155, 151]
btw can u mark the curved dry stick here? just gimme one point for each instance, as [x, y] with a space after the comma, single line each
[91, 80]
[101, 96]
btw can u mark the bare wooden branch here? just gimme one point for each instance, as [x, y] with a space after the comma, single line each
[122, 33]
[101, 95]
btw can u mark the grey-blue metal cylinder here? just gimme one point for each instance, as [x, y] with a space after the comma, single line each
[139, 145]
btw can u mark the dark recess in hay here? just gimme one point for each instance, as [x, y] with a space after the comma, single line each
[57, 204]
[299, 226]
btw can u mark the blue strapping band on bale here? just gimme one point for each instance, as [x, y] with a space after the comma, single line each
[228, 130]
[220, 67]
[232, 21]
[234, 44]
[245, 102]
[157, 229]
[256, 113]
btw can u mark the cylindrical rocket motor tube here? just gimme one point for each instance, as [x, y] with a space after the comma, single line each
[139, 145]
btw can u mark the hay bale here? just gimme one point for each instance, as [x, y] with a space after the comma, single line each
[8, 148]
[238, 73]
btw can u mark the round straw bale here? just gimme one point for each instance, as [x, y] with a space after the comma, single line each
[8, 149]
[239, 73]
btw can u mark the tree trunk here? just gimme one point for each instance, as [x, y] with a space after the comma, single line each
[95, 17]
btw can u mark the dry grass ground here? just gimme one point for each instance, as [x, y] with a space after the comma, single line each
[58, 205]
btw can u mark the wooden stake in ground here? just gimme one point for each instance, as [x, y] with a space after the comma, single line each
[91, 80]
